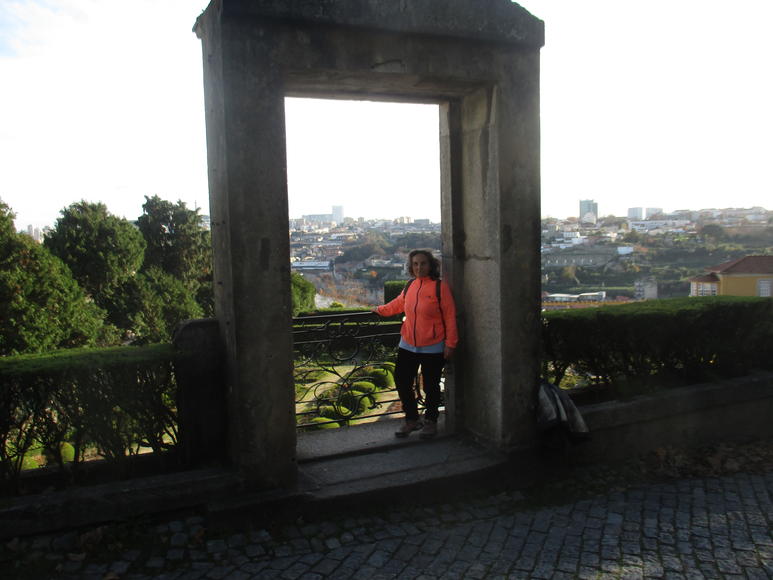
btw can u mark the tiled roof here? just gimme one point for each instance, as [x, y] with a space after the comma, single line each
[706, 278]
[745, 265]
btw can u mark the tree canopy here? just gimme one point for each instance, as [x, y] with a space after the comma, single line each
[177, 243]
[102, 250]
[42, 307]
[151, 305]
[302, 293]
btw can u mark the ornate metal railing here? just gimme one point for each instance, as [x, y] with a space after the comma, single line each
[344, 369]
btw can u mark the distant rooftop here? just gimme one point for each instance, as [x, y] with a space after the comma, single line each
[745, 265]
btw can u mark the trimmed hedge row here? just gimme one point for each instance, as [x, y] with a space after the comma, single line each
[110, 403]
[107, 402]
[689, 339]
[392, 288]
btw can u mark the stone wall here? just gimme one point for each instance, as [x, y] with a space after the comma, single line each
[735, 410]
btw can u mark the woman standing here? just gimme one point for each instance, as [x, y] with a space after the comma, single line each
[428, 338]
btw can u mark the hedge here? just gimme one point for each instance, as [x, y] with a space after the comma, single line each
[110, 402]
[392, 288]
[686, 338]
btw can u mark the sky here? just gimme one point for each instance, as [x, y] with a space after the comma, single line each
[658, 104]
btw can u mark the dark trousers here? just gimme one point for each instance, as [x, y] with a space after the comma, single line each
[406, 369]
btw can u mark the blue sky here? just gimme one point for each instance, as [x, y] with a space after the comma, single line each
[657, 104]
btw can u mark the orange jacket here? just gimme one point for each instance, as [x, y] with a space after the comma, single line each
[424, 317]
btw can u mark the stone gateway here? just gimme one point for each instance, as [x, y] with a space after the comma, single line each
[479, 61]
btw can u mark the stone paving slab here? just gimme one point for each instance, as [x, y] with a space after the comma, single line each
[692, 528]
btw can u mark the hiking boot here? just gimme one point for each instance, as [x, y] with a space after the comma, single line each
[407, 428]
[429, 430]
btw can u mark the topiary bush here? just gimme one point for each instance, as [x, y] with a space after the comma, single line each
[315, 423]
[363, 387]
[382, 375]
[383, 378]
[336, 412]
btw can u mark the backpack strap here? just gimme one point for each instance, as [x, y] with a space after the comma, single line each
[440, 305]
[405, 288]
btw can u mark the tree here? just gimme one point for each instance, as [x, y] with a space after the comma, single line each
[41, 305]
[372, 244]
[178, 244]
[303, 293]
[418, 240]
[569, 274]
[713, 232]
[152, 304]
[632, 237]
[103, 251]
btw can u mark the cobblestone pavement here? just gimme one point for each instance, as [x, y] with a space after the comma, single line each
[717, 527]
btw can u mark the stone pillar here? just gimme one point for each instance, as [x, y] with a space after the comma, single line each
[490, 159]
[201, 401]
[248, 206]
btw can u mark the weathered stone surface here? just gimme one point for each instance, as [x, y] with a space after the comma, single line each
[492, 20]
[727, 411]
[479, 61]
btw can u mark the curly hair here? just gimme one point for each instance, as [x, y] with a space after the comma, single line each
[434, 263]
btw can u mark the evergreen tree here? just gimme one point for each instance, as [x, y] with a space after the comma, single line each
[178, 244]
[153, 303]
[303, 293]
[103, 251]
[42, 307]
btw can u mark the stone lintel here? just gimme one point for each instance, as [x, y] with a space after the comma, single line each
[499, 21]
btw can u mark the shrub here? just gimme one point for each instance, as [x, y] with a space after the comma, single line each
[689, 338]
[314, 423]
[30, 461]
[382, 376]
[363, 387]
[336, 412]
[302, 293]
[353, 401]
[112, 400]
[392, 288]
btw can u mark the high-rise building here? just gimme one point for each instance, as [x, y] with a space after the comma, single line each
[589, 211]
[338, 214]
[652, 212]
[34, 233]
[635, 213]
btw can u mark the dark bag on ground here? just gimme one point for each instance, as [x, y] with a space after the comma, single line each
[556, 410]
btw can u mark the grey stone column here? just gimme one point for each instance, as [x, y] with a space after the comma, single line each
[248, 195]
[518, 113]
[494, 208]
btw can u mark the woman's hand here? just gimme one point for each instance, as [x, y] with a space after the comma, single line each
[448, 352]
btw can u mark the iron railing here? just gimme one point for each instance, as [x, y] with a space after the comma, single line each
[343, 369]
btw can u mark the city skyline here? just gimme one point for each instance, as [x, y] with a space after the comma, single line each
[680, 121]
[632, 214]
